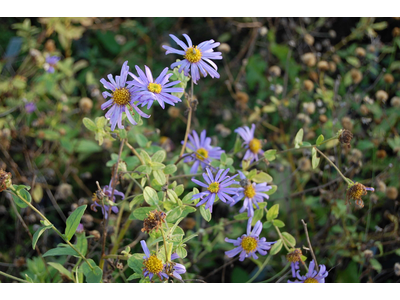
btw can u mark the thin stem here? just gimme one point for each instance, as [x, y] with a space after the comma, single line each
[309, 245]
[12, 277]
[135, 152]
[53, 227]
[277, 274]
[188, 121]
[337, 169]
[165, 245]
[282, 238]
[260, 269]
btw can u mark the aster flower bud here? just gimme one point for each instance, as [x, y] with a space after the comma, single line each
[5, 180]
[153, 221]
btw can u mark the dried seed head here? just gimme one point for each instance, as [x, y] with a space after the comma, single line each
[360, 52]
[381, 154]
[347, 123]
[242, 97]
[397, 269]
[323, 66]
[332, 66]
[309, 59]
[336, 58]
[85, 104]
[263, 31]
[173, 112]
[63, 191]
[304, 164]
[356, 76]
[380, 186]
[224, 48]
[309, 107]
[323, 119]
[381, 95]
[294, 255]
[364, 109]
[50, 46]
[356, 191]
[392, 193]
[388, 78]
[153, 221]
[368, 254]
[308, 85]
[309, 39]
[5, 180]
[355, 156]
[275, 71]
[95, 234]
[395, 101]
[396, 31]
[345, 137]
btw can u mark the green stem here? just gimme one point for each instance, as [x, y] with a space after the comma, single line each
[260, 269]
[277, 274]
[282, 238]
[12, 277]
[349, 182]
[189, 120]
[165, 246]
[53, 227]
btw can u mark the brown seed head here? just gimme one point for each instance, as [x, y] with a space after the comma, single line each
[360, 52]
[85, 104]
[309, 39]
[304, 164]
[50, 46]
[356, 76]
[336, 58]
[392, 193]
[395, 101]
[323, 118]
[224, 48]
[242, 97]
[364, 109]
[153, 221]
[356, 191]
[332, 66]
[381, 154]
[313, 76]
[396, 31]
[5, 180]
[294, 256]
[345, 137]
[275, 71]
[323, 66]
[309, 59]
[308, 85]
[381, 95]
[347, 123]
[388, 78]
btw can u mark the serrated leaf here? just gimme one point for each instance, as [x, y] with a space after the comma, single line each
[273, 212]
[150, 196]
[205, 213]
[276, 247]
[73, 221]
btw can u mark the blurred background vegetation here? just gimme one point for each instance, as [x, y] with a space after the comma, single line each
[282, 74]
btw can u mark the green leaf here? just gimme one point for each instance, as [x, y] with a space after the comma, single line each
[122, 133]
[60, 268]
[157, 166]
[273, 212]
[73, 221]
[60, 251]
[135, 262]
[272, 190]
[170, 169]
[278, 223]
[159, 176]
[181, 251]
[134, 276]
[25, 195]
[174, 214]
[38, 233]
[142, 140]
[150, 196]
[299, 138]
[89, 124]
[270, 154]
[354, 61]
[189, 238]
[242, 216]
[145, 156]
[159, 156]
[262, 177]
[87, 146]
[276, 247]
[92, 275]
[315, 160]
[320, 139]
[142, 212]
[81, 243]
[289, 238]
[205, 213]
[223, 158]
[375, 265]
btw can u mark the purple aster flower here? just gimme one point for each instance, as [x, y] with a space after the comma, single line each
[253, 194]
[152, 264]
[218, 186]
[312, 276]
[107, 190]
[248, 244]
[30, 107]
[80, 228]
[253, 145]
[177, 268]
[121, 99]
[147, 89]
[51, 61]
[202, 149]
[196, 58]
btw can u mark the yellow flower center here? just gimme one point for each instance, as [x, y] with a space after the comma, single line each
[153, 264]
[249, 191]
[193, 54]
[249, 244]
[121, 96]
[154, 88]
[213, 187]
[311, 280]
[255, 145]
[201, 153]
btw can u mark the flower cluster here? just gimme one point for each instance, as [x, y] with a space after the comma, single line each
[312, 276]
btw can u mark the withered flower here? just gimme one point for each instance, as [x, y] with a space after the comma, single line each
[355, 192]
[5, 180]
[153, 221]
[345, 137]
